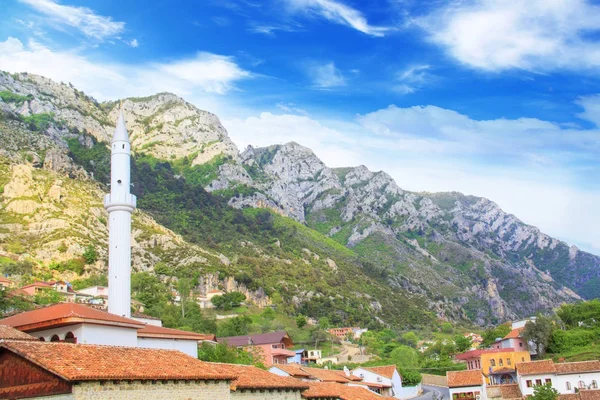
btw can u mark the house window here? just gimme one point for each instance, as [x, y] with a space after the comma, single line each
[493, 362]
[500, 362]
[529, 384]
[520, 344]
[275, 346]
[581, 385]
[508, 361]
[594, 385]
[522, 359]
[55, 338]
[548, 381]
[568, 385]
[538, 382]
[70, 338]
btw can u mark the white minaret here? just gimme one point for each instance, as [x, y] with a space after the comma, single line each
[120, 204]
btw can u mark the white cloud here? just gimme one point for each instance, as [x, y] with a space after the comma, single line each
[542, 173]
[133, 43]
[82, 18]
[267, 129]
[412, 79]
[201, 78]
[339, 13]
[326, 76]
[591, 107]
[536, 35]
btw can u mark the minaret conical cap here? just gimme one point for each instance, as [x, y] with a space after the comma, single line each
[121, 130]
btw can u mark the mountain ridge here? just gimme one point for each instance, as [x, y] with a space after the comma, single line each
[463, 254]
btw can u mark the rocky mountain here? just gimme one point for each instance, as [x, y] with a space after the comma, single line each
[406, 256]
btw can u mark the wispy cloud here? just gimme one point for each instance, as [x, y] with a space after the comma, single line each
[412, 79]
[271, 29]
[326, 76]
[84, 19]
[535, 35]
[339, 13]
[133, 43]
[205, 72]
[591, 107]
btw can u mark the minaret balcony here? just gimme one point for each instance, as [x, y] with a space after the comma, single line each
[125, 201]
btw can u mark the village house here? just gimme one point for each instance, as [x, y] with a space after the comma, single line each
[34, 288]
[497, 365]
[77, 323]
[337, 391]
[269, 348]
[475, 338]
[347, 332]
[34, 369]
[386, 381]
[6, 283]
[566, 378]
[465, 385]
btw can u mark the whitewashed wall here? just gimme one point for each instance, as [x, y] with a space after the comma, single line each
[189, 347]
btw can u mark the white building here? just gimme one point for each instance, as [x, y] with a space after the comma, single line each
[384, 380]
[566, 378]
[467, 385]
[120, 204]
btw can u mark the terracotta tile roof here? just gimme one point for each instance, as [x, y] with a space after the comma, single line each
[6, 280]
[9, 333]
[477, 353]
[351, 377]
[589, 394]
[263, 338]
[505, 392]
[66, 314]
[152, 331]
[331, 390]
[326, 375]
[471, 377]
[577, 367]
[515, 333]
[386, 371]
[536, 367]
[83, 362]
[293, 369]
[250, 377]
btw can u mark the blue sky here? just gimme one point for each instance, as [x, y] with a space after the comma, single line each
[496, 98]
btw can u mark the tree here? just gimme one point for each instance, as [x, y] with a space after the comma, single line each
[228, 300]
[544, 392]
[48, 296]
[90, 254]
[301, 321]
[324, 323]
[224, 354]
[405, 357]
[236, 326]
[184, 286]
[447, 327]
[490, 335]
[539, 333]
[410, 339]
[462, 343]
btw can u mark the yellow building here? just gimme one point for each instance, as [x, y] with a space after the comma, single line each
[497, 365]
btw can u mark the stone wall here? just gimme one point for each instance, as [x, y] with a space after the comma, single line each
[146, 390]
[265, 395]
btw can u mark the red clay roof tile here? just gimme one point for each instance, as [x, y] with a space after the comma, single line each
[152, 331]
[536, 367]
[66, 314]
[332, 390]
[464, 378]
[293, 369]
[386, 371]
[577, 367]
[325, 375]
[82, 362]
[10, 333]
[250, 377]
